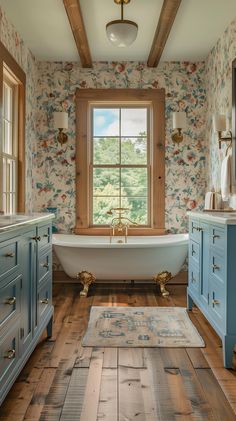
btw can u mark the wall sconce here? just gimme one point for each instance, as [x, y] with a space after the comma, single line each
[61, 122]
[179, 123]
[221, 124]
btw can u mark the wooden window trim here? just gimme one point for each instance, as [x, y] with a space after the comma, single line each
[156, 99]
[7, 59]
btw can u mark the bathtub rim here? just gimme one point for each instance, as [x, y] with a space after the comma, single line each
[179, 240]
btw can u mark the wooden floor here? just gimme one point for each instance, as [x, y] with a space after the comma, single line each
[63, 381]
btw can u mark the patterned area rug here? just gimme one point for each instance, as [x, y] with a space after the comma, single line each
[141, 327]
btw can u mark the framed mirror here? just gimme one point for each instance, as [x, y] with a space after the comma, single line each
[234, 118]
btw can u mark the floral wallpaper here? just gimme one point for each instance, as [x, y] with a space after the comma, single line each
[16, 46]
[54, 166]
[219, 96]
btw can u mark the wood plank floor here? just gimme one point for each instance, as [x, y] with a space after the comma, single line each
[63, 381]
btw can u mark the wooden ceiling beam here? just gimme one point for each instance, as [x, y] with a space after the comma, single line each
[167, 16]
[75, 17]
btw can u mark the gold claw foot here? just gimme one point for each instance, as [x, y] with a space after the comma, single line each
[86, 279]
[162, 278]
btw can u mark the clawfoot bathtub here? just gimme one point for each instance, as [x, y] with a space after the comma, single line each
[141, 258]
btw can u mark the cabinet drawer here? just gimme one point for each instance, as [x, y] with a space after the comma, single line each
[217, 267]
[217, 238]
[44, 299]
[217, 302]
[9, 353]
[9, 301]
[193, 278]
[194, 230]
[45, 235]
[8, 258]
[44, 265]
[194, 252]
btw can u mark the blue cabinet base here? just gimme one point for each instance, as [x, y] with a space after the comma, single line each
[47, 324]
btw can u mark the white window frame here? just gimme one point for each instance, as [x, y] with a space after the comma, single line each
[119, 166]
[10, 81]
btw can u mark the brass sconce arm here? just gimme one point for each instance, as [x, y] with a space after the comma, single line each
[62, 137]
[225, 138]
[177, 136]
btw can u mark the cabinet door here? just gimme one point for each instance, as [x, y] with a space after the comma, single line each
[28, 252]
[204, 262]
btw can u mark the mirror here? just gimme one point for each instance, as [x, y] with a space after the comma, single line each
[234, 118]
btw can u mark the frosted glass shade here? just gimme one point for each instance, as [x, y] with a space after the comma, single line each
[60, 120]
[122, 33]
[179, 120]
[219, 123]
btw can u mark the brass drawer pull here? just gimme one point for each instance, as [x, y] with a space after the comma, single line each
[215, 267]
[215, 236]
[215, 302]
[44, 301]
[10, 255]
[11, 301]
[36, 238]
[45, 265]
[10, 354]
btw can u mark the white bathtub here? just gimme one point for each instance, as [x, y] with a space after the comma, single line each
[139, 259]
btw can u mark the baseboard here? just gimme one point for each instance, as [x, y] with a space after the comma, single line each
[61, 277]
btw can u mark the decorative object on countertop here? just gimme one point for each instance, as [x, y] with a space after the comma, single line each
[220, 125]
[213, 200]
[179, 123]
[141, 327]
[61, 122]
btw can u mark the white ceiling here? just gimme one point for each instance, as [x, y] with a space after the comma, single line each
[44, 26]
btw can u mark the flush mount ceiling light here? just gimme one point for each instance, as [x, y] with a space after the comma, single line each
[122, 32]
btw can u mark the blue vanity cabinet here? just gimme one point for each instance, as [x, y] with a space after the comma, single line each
[212, 279]
[25, 295]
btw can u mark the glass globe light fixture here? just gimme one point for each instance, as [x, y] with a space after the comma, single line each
[122, 32]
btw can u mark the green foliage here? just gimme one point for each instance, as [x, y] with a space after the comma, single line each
[115, 187]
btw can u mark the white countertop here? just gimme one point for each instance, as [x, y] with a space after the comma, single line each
[226, 218]
[12, 221]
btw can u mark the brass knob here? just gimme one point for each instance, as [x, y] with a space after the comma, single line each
[46, 235]
[215, 236]
[193, 252]
[214, 302]
[45, 265]
[44, 301]
[36, 238]
[215, 267]
[10, 255]
[11, 301]
[10, 354]
[200, 229]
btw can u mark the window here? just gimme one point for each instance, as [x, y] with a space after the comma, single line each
[9, 151]
[119, 173]
[12, 135]
[120, 159]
